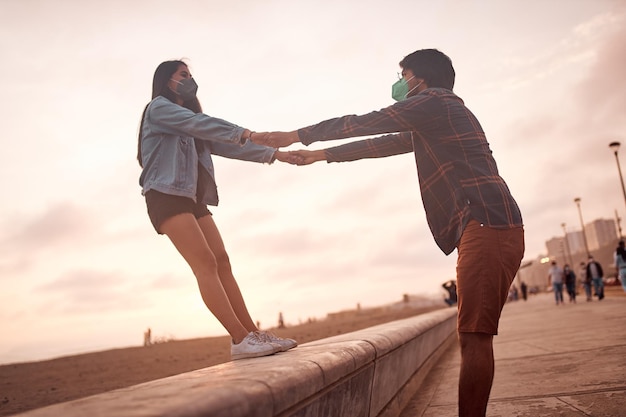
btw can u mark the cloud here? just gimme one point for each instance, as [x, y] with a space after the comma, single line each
[557, 149]
[96, 292]
[26, 238]
[61, 223]
[602, 94]
[168, 282]
[84, 289]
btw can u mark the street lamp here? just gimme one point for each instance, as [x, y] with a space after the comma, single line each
[582, 224]
[569, 255]
[615, 147]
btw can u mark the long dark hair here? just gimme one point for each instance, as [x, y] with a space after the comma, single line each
[161, 78]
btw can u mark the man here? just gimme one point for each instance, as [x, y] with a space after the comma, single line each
[595, 272]
[468, 205]
[555, 279]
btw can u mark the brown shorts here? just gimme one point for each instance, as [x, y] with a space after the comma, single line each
[162, 206]
[488, 261]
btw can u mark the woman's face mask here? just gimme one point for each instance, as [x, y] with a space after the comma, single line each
[400, 89]
[186, 88]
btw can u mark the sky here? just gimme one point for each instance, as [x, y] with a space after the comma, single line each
[81, 268]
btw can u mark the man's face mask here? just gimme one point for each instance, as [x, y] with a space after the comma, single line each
[400, 89]
[186, 88]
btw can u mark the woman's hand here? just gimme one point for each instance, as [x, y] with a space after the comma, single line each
[283, 156]
[306, 157]
[300, 157]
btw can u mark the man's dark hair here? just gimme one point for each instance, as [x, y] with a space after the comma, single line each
[433, 66]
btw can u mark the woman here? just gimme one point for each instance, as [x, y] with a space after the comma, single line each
[176, 140]
[570, 283]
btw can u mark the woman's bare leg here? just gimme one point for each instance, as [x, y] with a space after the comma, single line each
[187, 235]
[224, 270]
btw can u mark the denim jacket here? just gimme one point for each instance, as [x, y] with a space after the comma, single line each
[176, 143]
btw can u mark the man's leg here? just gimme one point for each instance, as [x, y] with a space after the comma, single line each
[596, 286]
[477, 369]
[601, 288]
[487, 263]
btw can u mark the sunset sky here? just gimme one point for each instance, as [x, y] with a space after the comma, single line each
[81, 267]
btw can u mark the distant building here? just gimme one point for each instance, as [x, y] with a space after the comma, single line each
[600, 232]
[602, 237]
[557, 247]
[576, 241]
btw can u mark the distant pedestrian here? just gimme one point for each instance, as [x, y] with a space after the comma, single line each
[620, 263]
[450, 286]
[555, 278]
[570, 283]
[586, 280]
[594, 271]
[147, 337]
[524, 291]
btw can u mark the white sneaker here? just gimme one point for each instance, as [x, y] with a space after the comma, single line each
[252, 347]
[285, 344]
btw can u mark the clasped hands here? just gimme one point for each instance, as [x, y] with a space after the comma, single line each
[282, 139]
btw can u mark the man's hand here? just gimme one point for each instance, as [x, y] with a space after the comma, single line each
[275, 139]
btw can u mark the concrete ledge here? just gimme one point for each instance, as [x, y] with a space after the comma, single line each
[372, 372]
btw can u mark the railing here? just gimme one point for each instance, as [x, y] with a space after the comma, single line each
[367, 373]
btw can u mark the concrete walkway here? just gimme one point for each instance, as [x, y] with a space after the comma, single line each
[563, 361]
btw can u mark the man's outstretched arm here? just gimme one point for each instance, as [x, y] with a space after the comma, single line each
[379, 147]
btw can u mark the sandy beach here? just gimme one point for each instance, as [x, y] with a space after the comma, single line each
[26, 386]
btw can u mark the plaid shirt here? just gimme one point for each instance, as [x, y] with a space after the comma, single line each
[458, 176]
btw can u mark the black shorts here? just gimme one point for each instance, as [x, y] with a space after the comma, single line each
[162, 206]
